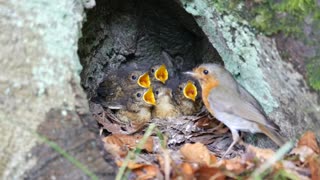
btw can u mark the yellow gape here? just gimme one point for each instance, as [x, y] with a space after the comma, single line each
[144, 80]
[190, 91]
[148, 97]
[161, 74]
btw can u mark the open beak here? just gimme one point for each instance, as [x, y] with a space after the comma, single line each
[190, 91]
[161, 74]
[144, 80]
[148, 97]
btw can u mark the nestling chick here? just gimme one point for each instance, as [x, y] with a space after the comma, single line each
[231, 104]
[187, 99]
[138, 108]
[115, 86]
[165, 106]
[159, 73]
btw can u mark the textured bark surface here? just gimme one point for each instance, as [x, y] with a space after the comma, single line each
[41, 93]
[40, 84]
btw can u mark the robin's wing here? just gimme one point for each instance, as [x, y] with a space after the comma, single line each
[232, 103]
[246, 95]
[253, 101]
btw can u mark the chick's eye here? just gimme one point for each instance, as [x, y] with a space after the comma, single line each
[152, 70]
[138, 94]
[157, 92]
[133, 77]
[180, 88]
[205, 72]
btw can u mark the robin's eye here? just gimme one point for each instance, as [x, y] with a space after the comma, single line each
[138, 95]
[205, 72]
[133, 77]
[152, 70]
[157, 92]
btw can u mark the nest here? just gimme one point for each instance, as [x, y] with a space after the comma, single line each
[201, 127]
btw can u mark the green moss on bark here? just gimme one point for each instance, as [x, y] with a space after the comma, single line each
[313, 72]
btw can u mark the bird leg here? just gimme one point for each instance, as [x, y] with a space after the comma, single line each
[235, 138]
[241, 142]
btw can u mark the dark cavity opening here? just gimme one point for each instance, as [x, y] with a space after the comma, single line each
[120, 32]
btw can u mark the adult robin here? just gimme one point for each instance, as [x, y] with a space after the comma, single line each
[187, 98]
[165, 106]
[138, 107]
[231, 104]
[117, 84]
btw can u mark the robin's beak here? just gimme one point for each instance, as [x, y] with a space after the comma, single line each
[190, 91]
[161, 74]
[191, 73]
[148, 97]
[144, 80]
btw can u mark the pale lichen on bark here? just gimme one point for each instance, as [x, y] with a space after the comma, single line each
[38, 63]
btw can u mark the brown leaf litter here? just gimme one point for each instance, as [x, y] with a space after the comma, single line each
[186, 154]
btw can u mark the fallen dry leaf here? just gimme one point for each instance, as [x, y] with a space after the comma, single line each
[138, 125]
[205, 172]
[197, 153]
[314, 163]
[184, 171]
[115, 146]
[187, 169]
[213, 159]
[303, 152]
[131, 164]
[292, 167]
[111, 127]
[146, 172]
[261, 153]
[307, 146]
[142, 171]
[203, 138]
[309, 139]
[130, 141]
[113, 139]
[235, 165]
[206, 123]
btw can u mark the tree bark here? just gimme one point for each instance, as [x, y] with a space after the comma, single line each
[41, 93]
[40, 86]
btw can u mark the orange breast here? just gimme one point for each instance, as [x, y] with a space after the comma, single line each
[207, 86]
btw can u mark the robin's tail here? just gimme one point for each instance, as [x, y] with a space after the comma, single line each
[273, 135]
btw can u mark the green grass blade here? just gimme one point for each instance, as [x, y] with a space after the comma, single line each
[131, 155]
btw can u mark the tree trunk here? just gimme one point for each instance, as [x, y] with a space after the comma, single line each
[41, 93]
[40, 84]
